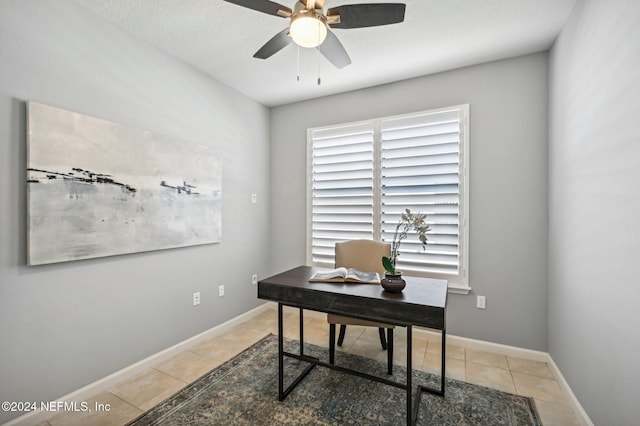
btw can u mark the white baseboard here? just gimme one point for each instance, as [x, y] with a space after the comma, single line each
[481, 345]
[573, 400]
[126, 373]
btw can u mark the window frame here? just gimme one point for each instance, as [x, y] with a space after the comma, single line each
[458, 283]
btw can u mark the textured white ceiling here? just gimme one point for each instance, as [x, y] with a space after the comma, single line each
[220, 39]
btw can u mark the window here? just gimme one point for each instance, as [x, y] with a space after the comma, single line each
[363, 175]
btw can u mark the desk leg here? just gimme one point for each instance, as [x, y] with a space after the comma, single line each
[442, 366]
[332, 343]
[280, 356]
[409, 376]
[443, 371]
[282, 392]
[390, 351]
[422, 388]
[301, 332]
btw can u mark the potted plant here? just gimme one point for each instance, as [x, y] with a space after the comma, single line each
[393, 281]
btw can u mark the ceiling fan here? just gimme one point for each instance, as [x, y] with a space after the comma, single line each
[311, 27]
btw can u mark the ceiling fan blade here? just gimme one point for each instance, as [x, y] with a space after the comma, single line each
[265, 6]
[334, 51]
[276, 44]
[367, 15]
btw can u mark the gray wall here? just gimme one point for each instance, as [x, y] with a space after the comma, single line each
[63, 326]
[594, 236]
[508, 166]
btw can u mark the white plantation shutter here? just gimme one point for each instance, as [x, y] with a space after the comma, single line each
[364, 175]
[420, 171]
[341, 188]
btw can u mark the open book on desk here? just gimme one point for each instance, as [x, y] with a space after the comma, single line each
[345, 275]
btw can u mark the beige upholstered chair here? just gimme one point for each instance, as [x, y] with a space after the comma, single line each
[364, 255]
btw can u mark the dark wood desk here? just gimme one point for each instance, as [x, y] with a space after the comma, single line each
[423, 303]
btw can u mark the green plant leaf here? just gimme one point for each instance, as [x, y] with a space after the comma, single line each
[388, 265]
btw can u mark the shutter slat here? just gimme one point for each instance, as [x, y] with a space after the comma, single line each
[421, 150]
[422, 170]
[426, 141]
[420, 160]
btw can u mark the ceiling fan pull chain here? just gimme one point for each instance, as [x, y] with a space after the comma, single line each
[298, 75]
[318, 56]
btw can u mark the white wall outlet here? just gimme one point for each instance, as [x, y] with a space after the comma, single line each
[196, 298]
[481, 302]
[254, 198]
[220, 290]
[254, 279]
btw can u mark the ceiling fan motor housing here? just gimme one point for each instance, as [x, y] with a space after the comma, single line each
[308, 27]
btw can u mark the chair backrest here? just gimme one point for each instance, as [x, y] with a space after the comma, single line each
[364, 255]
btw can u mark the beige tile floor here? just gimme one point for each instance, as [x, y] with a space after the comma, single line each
[136, 395]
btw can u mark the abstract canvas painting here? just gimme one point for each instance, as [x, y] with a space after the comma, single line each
[98, 188]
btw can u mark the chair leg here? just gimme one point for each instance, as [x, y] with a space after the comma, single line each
[332, 343]
[383, 341]
[390, 351]
[343, 329]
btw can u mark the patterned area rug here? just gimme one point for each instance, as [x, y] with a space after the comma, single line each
[244, 391]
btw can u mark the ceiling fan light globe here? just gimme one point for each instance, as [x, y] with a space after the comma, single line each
[308, 31]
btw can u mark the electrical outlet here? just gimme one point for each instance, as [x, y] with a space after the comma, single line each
[196, 298]
[254, 198]
[254, 279]
[220, 290]
[481, 302]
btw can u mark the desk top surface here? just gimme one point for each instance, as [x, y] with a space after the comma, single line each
[294, 286]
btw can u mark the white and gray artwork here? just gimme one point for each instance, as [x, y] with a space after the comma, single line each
[97, 188]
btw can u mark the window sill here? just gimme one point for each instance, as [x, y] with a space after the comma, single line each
[459, 289]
